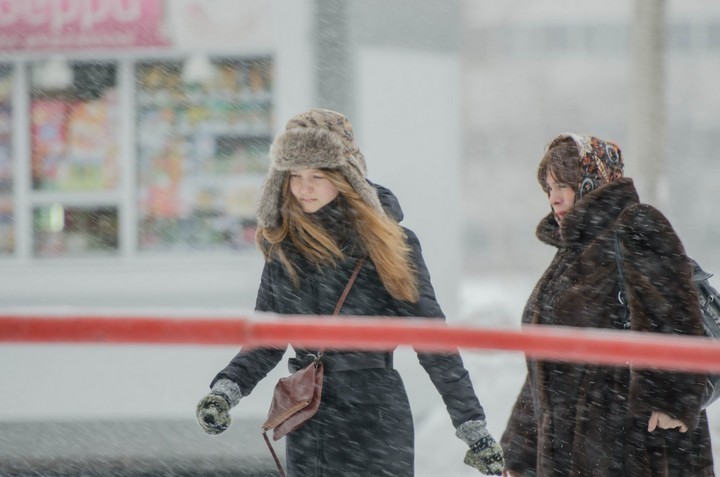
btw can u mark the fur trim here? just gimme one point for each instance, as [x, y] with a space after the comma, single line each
[303, 148]
[311, 148]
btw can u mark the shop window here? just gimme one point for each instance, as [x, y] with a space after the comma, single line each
[75, 231]
[74, 123]
[74, 157]
[202, 149]
[7, 227]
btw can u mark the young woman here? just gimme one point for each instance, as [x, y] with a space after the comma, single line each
[586, 420]
[318, 217]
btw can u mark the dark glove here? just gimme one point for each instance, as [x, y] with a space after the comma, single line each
[485, 454]
[213, 413]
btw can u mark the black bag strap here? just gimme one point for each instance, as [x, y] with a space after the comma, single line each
[623, 322]
[710, 314]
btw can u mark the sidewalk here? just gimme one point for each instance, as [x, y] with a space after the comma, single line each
[141, 448]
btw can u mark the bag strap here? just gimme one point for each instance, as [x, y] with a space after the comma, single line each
[338, 307]
[345, 293]
[274, 455]
[349, 285]
[624, 322]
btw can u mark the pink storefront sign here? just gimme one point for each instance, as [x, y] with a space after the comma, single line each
[61, 25]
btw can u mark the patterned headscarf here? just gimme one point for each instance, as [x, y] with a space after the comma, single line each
[600, 161]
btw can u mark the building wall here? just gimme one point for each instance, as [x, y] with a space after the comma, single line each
[324, 54]
[532, 70]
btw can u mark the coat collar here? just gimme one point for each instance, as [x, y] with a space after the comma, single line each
[591, 214]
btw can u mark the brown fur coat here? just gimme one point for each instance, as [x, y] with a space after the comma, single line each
[584, 420]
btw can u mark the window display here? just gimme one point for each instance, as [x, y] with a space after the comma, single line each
[74, 143]
[7, 227]
[73, 132]
[199, 151]
[74, 231]
[202, 153]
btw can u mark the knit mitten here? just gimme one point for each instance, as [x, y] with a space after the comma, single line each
[485, 454]
[213, 411]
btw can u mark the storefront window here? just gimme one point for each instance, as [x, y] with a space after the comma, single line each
[74, 128]
[7, 228]
[74, 155]
[74, 231]
[202, 152]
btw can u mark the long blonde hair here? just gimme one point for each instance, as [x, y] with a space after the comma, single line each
[381, 238]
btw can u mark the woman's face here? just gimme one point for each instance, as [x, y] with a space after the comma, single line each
[312, 189]
[561, 196]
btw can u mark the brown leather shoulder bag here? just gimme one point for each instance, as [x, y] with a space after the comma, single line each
[297, 397]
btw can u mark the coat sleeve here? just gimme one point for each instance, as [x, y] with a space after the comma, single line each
[446, 370]
[519, 441]
[248, 367]
[662, 299]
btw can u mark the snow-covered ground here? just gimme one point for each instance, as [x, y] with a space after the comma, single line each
[86, 383]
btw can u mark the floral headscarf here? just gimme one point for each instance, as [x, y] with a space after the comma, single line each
[600, 161]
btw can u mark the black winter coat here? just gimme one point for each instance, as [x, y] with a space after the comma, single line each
[585, 420]
[364, 426]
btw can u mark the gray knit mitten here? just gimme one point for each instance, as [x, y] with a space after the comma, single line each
[213, 411]
[485, 454]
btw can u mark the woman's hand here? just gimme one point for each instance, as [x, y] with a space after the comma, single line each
[663, 421]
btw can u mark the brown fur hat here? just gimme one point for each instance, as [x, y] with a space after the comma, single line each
[314, 139]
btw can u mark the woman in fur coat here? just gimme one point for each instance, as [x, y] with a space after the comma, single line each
[318, 218]
[588, 420]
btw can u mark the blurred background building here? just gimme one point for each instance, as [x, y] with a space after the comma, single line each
[134, 134]
[134, 138]
[532, 70]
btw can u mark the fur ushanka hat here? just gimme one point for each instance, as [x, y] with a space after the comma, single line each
[315, 139]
